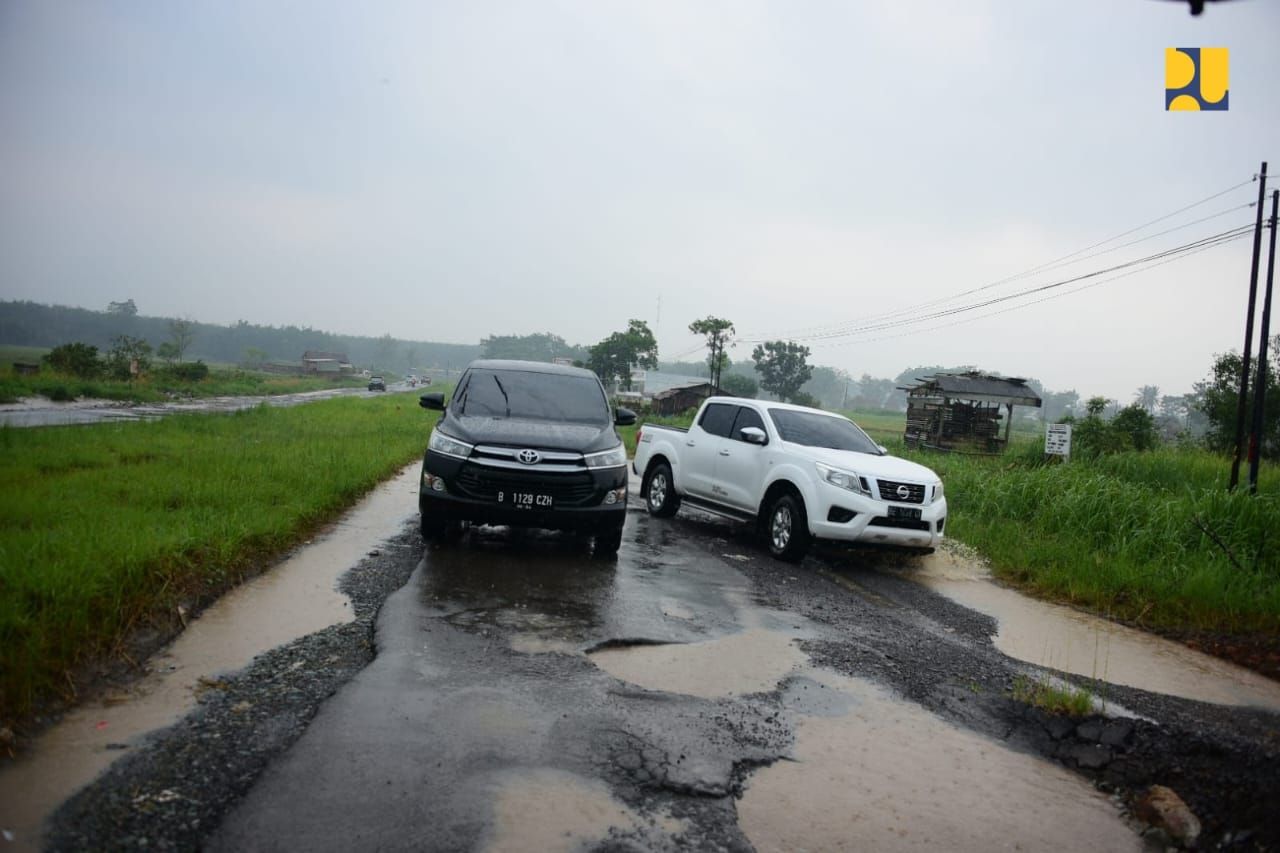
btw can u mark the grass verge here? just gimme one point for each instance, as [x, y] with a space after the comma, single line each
[1051, 697]
[160, 386]
[106, 528]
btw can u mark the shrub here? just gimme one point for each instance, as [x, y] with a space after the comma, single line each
[75, 359]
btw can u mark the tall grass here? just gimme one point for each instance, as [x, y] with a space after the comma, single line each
[107, 527]
[159, 385]
[1151, 536]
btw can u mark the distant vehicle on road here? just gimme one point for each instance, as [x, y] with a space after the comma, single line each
[377, 383]
[526, 444]
[797, 473]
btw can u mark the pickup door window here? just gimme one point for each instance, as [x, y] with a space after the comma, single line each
[740, 465]
[703, 443]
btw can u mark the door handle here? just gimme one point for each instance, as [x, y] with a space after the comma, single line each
[724, 453]
[689, 444]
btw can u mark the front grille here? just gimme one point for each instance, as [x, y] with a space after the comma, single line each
[900, 523]
[571, 489]
[889, 492]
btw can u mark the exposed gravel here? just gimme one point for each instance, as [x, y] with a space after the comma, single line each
[171, 793]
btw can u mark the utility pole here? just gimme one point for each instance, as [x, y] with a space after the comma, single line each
[1248, 331]
[1260, 384]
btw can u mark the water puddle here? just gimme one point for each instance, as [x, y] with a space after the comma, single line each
[548, 809]
[871, 772]
[1059, 637]
[296, 598]
[753, 661]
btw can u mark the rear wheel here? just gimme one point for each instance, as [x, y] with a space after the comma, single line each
[787, 529]
[608, 542]
[662, 499]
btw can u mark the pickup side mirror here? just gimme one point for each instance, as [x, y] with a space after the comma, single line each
[623, 417]
[884, 450]
[753, 435]
[433, 401]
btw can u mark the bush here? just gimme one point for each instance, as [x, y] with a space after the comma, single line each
[75, 359]
[189, 372]
[61, 394]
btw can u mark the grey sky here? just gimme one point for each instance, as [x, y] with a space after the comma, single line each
[444, 171]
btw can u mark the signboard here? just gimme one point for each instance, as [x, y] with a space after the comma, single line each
[1057, 439]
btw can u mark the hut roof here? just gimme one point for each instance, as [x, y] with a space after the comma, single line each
[976, 386]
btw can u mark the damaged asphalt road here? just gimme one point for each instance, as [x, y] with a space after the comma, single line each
[514, 693]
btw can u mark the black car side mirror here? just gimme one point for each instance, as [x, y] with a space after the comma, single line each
[433, 401]
[624, 417]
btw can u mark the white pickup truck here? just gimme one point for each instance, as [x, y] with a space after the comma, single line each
[796, 472]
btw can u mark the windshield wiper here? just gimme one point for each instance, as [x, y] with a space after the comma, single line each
[505, 398]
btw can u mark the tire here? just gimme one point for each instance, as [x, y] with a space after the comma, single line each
[440, 529]
[660, 493]
[608, 542]
[787, 529]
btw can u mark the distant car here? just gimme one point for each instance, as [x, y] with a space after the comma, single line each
[377, 383]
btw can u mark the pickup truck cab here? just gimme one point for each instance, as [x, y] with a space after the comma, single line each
[525, 444]
[798, 473]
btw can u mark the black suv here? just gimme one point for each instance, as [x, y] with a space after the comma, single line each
[377, 383]
[526, 444]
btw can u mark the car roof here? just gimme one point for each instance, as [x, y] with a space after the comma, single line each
[774, 404]
[529, 366]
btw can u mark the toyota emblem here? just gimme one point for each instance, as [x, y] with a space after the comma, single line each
[903, 491]
[529, 457]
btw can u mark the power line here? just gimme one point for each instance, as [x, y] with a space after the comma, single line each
[887, 324]
[797, 334]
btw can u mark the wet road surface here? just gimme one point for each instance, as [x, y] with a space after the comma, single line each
[515, 693]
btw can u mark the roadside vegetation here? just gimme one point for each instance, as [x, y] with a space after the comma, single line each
[1056, 698]
[110, 527]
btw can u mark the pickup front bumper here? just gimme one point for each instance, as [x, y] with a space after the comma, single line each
[844, 516]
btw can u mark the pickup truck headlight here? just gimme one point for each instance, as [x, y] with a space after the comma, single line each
[937, 491]
[607, 459]
[843, 479]
[441, 443]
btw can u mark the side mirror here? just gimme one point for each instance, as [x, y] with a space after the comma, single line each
[883, 449]
[623, 417]
[433, 401]
[753, 435]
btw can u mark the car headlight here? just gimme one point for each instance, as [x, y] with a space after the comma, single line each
[937, 491]
[441, 443]
[843, 479]
[607, 459]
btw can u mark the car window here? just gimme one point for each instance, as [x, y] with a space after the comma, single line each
[527, 395]
[718, 419]
[815, 430]
[746, 418]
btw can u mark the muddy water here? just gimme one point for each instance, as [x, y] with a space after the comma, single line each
[1061, 638]
[871, 772]
[549, 809]
[296, 598]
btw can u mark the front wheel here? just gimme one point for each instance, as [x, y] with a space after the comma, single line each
[788, 529]
[608, 542]
[662, 499]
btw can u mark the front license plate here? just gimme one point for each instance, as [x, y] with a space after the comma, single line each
[904, 512]
[525, 500]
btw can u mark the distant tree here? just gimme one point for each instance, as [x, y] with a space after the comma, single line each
[1148, 396]
[76, 359]
[1137, 425]
[783, 367]
[167, 352]
[870, 392]
[543, 346]
[718, 333]
[126, 308]
[182, 331]
[255, 357]
[1095, 406]
[740, 386]
[1216, 399]
[615, 356]
[127, 355]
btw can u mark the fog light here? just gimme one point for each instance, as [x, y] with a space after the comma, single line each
[434, 483]
[613, 496]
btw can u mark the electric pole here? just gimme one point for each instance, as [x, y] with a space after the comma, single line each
[1260, 384]
[1248, 331]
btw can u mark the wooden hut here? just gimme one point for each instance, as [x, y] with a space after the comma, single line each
[675, 400]
[961, 411]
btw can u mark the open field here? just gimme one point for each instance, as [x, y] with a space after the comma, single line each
[110, 527]
[158, 386]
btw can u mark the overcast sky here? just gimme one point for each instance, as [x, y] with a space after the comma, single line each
[444, 171]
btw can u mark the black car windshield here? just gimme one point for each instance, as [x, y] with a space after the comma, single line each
[814, 430]
[527, 395]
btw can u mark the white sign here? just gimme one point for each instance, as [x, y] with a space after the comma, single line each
[1057, 439]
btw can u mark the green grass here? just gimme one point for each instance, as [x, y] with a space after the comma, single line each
[158, 387]
[1149, 537]
[108, 527]
[1051, 697]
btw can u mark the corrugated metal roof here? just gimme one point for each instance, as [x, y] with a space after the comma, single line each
[977, 386]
